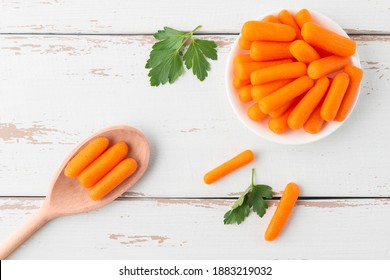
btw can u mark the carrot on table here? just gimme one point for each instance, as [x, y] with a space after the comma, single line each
[334, 96]
[326, 65]
[263, 51]
[302, 17]
[261, 91]
[285, 94]
[244, 93]
[307, 105]
[267, 31]
[229, 166]
[103, 164]
[279, 124]
[271, 18]
[327, 40]
[241, 59]
[283, 211]
[286, 18]
[278, 72]
[244, 69]
[314, 123]
[92, 150]
[255, 114]
[237, 82]
[303, 52]
[355, 74]
[244, 44]
[113, 178]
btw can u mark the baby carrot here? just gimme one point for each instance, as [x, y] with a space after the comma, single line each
[281, 110]
[278, 72]
[314, 123]
[309, 102]
[261, 91]
[302, 17]
[244, 44]
[244, 93]
[229, 166]
[279, 124]
[326, 65]
[113, 178]
[285, 94]
[286, 18]
[244, 69]
[303, 52]
[267, 31]
[240, 59]
[255, 114]
[318, 36]
[237, 82]
[355, 74]
[271, 18]
[334, 97]
[85, 156]
[283, 211]
[103, 164]
[262, 51]
[322, 52]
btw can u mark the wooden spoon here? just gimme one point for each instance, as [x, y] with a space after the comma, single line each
[67, 196]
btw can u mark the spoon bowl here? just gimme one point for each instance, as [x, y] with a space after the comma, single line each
[67, 196]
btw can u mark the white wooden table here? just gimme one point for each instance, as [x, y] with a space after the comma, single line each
[69, 68]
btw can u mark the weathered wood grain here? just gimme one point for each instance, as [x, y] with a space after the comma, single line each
[194, 229]
[57, 90]
[147, 16]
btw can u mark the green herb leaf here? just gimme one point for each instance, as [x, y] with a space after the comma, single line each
[167, 55]
[253, 197]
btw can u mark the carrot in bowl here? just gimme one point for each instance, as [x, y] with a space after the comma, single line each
[244, 69]
[238, 83]
[286, 18]
[255, 114]
[261, 91]
[283, 211]
[244, 93]
[267, 31]
[240, 59]
[244, 44]
[86, 156]
[314, 123]
[303, 52]
[302, 17]
[113, 178]
[263, 51]
[279, 124]
[229, 166]
[271, 18]
[103, 164]
[278, 72]
[326, 65]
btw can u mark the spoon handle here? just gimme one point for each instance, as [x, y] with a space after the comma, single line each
[23, 233]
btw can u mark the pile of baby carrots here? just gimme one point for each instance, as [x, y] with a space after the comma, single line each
[286, 74]
[99, 168]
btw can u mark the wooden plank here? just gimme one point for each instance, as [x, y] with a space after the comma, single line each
[57, 90]
[139, 17]
[194, 229]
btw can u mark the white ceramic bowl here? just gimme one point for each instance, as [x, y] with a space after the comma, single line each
[261, 128]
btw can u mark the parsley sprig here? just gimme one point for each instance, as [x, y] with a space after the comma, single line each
[173, 47]
[253, 197]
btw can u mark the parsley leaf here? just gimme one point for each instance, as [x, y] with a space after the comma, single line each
[166, 58]
[253, 197]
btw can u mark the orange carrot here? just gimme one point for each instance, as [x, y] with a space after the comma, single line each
[229, 166]
[279, 124]
[271, 18]
[244, 44]
[263, 51]
[334, 97]
[278, 72]
[241, 59]
[103, 164]
[113, 178]
[286, 18]
[244, 69]
[355, 74]
[267, 31]
[237, 82]
[255, 114]
[92, 150]
[261, 91]
[302, 17]
[303, 52]
[285, 94]
[283, 211]
[244, 93]
[322, 52]
[314, 123]
[309, 102]
[281, 110]
[326, 65]
[318, 36]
